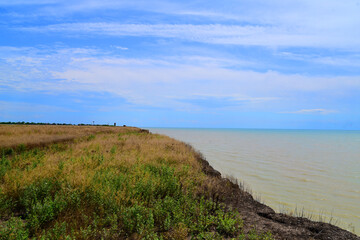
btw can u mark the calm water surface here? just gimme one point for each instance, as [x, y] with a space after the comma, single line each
[314, 170]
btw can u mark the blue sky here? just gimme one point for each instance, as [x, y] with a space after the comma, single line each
[247, 64]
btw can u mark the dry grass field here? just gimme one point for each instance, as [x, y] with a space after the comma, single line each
[12, 136]
[107, 183]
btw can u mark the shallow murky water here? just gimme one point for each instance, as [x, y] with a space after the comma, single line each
[310, 172]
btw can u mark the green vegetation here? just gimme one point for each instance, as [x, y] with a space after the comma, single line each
[127, 185]
[59, 124]
[35, 123]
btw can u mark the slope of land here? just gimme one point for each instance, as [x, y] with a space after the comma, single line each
[89, 182]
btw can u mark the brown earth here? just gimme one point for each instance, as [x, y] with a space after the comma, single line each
[263, 218]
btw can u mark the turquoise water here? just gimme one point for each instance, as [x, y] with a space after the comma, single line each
[311, 172]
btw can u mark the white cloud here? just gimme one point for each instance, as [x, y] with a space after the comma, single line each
[26, 2]
[121, 48]
[304, 23]
[322, 23]
[210, 33]
[349, 59]
[165, 81]
[61, 8]
[151, 84]
[313, 111]
[20, 107]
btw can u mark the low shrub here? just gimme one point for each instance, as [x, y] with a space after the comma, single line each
[14, 229]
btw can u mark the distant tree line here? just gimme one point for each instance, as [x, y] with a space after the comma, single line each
[35, 123]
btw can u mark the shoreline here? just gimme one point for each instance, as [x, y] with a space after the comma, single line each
[282, 171]
[264, 218]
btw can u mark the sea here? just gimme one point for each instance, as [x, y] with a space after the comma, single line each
[310, 173]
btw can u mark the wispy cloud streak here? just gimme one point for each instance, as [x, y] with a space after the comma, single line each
[314, 111]
[164, 82]
[270, 36]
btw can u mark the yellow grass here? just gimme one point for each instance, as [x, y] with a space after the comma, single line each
[37, 135]
[120, 146]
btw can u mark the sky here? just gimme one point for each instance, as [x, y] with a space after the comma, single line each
[212, 64]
